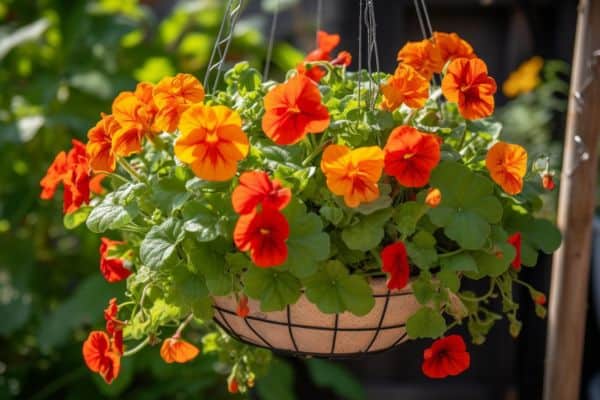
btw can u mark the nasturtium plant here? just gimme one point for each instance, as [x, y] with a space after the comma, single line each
[318, 187]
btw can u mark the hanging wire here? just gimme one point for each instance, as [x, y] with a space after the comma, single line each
[271, 41]
[372, 52]
[233, 10]
[360, 29]
[427, 20]
[425, 24]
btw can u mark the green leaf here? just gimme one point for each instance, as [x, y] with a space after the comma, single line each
[423, 288]
[76, 218]
[426, 323]
[332, 214]
[407, 215]
[334, 376]
[307, 244]
[422, 257]
[459, 262]
[493, 265]
[205, 260]
[449, 279]
[368, 232]
[383, 201]
[188, 291]
[278, 384]
[158, 249]
[468, 229]
[334, 290]
[274, 288]
[201, 221]
[169, 194]
[108, 215]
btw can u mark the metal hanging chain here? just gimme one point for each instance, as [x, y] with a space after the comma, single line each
[372, 51]
[271, 41]
[233, 10]
[426, 29]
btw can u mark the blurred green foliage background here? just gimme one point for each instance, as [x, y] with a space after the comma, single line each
[61, 64]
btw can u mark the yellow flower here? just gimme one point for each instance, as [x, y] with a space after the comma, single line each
[525, 78]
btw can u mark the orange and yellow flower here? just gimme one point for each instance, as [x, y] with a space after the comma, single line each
[294, 109]
[423, 56]
[100, 356]
[507, 164]
[212, 141]
[173, 95]
[134, 112]
[406, 86]
[264, 233]
[411, 155]
[353, 173]
[175, 349]
[256, 188]
[433, 197]
[99, 146]
[467, 83]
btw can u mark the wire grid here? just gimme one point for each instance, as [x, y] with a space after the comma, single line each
[223, 314]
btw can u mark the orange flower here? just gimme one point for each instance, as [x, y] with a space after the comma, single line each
[343, 58]
[467, 83]
[395, 263]
[73, 171]
[211, 141]
[507, 164]
[452, 46]
[100, 356]
[242, 309]
[178, 350]
[174, 95]
[232, 385]
[353, 173]
[433, 198]
[264, 233]
[114, 327]
[54, 176]
[99, 146]
[256, 188]
[325, 44]
[113, 269]
[294, 109]
[410, 155]
[406, 86]
[135, 112]
[423, 56]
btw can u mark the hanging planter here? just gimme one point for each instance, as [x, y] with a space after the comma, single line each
[332, 214]
[302, 329]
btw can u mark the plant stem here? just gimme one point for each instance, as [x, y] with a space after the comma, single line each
[484, 297]
[137, 348]
[183, 325]
[315, 153]
[123, 163]
[451, 253]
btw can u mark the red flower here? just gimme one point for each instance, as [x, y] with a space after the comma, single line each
[242, 308]
[292, 110]
[325, 45]
[343, 58]
[257, 188]
[548, 182]
[73, 171]
[113, 269]
[395, 263]
[515, 240]
[114, 327]
[410, 156]
[263, 233]
[100, 356]
[540, 299]
[446, 357]
[232, 385]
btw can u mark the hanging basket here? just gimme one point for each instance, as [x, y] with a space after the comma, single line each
[302, 330]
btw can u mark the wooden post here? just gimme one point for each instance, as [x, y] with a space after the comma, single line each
[570, 274]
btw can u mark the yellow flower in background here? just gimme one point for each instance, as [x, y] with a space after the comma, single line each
[525, 78]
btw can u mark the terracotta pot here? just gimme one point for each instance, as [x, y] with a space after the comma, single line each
[302, 329]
